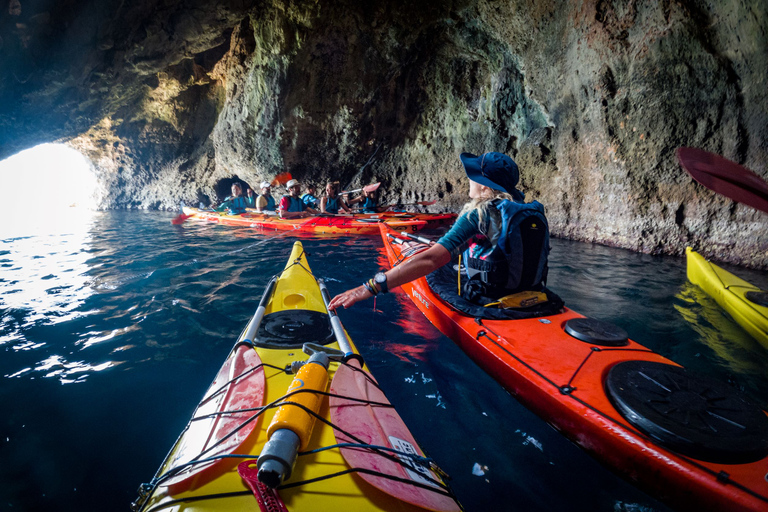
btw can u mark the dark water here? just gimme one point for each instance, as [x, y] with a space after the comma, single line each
[111, 333]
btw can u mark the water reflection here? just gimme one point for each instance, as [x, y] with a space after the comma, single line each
[735, 349]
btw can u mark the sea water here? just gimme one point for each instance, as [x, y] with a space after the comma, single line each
[112, 327]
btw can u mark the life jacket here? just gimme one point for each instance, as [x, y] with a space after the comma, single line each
[296, 204]
[250, 201]
[516, 259]
[309, 200]
[236, 205]
[332, 205]
[369, 205]
[270, 202]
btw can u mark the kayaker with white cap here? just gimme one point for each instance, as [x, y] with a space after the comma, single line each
[265, 201]
[291, 205]
[504, 242]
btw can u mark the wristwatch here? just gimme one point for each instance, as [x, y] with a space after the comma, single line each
[381, 280]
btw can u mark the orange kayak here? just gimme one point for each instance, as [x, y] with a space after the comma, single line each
[692, 442]
[360, 223]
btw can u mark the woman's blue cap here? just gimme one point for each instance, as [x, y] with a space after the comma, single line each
[494, 170]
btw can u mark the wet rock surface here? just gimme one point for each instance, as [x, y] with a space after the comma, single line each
[172, 100]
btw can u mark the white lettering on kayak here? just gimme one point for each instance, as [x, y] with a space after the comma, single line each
[417, 472]
[421, 299]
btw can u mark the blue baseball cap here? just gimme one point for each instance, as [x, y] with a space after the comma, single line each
[494, 170]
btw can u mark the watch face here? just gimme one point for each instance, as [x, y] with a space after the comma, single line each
[380, 277]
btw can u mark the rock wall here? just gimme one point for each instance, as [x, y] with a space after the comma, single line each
[172, 100]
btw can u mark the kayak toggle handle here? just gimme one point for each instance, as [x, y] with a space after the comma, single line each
[311, 349]
[291, 426]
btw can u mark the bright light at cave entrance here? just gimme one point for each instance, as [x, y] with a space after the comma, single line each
[50, 187]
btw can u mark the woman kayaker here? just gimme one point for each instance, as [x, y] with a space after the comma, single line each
[309, 198]
[265, 201]
[234, 204]
[250, 198]
[291, 205]
[332, 202]
[369, 201]
[493, 269]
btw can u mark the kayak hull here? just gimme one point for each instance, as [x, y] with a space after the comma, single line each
[320, 480]
[561, 379]
[357, 224]
[730, 292]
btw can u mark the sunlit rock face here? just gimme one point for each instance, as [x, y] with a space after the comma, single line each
[172, 100]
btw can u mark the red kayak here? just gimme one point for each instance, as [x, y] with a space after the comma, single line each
[358, 224]
[689, 441]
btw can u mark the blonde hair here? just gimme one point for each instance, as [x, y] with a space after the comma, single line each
[482, 205]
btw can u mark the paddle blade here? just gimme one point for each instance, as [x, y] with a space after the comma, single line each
[282, 179]
[180, 219]
[725, 177]
[362, 412]
[371, 187]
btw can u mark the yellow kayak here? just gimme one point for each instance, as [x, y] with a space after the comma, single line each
[294, 421]
[746, 303]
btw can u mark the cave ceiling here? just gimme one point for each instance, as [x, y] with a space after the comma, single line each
[173, 100]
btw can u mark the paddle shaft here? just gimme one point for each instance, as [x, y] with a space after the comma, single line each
[253, 325]
[338, 329]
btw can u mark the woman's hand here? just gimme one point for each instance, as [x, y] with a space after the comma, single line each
[350, 297]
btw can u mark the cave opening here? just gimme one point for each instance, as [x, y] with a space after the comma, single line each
[50, 186]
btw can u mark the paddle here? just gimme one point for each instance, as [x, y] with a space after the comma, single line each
[281, 179]
[182, 217]
[420, 203]
[367, 188]
[725, 177]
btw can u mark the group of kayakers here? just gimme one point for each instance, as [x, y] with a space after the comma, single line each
[295, 205]
[503, 241]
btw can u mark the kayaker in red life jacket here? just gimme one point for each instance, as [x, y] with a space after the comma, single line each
[493, 193]
[291, 205]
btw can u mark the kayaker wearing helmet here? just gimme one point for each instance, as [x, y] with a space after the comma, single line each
[234, 204]
[332, 202]
[265, 201]
[291, 205]
[491, 231]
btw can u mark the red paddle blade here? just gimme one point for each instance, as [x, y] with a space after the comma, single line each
[353, 393]
[180, 219]
[282, 179]
[371, 187]
[725, 177]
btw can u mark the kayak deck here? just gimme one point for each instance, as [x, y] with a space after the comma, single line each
[563, 380]
[353, 410]
[360, 224]
[731, 293]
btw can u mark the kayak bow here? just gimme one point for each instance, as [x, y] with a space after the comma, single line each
[268, 436]
[747, 304]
